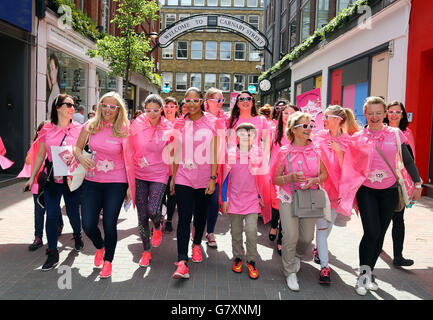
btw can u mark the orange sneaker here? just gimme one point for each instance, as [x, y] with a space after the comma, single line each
[99, 257]
[106, 270]
[252, 270]
[181, 272]
[237, 265]
[156, 237]
[196, 253]
[145, 259]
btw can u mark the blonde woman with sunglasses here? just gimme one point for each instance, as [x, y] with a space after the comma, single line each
[106, 182]
[306, 173]
[339, 125]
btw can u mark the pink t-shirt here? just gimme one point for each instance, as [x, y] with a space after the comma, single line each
[195, 168]
[380, 176]
[259, 121]
[151, 154]
[110, 165]
[309, 163]
[243, 194]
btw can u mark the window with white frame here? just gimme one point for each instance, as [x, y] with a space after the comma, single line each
[224, 82]
[240, 17]
[305, 21]
[211, 50]
[172, 2]
[343, 4]
[209, 81]
[182, 50]
[199, 3]
[183, 16]
[239, 82]
[322, 11]
[226, 3]
[239, 3]
[253, 80]
[252, 3]
[240, 51]
[196, 50]
[212, 3]
[185, 2]
[170, 18]
[225, 50]
[195, 80]
[167, 53]
[167, 77]
[253, 54]
[181, 81]
[254, 20]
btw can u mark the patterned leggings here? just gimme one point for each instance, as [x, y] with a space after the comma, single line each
[148, 199]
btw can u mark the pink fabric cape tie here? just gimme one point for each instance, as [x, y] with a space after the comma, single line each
[4, 162]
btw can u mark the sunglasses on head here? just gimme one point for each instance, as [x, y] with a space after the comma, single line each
[242, 99]
[112, 107]
[305, 126]
[217, 100]
[193, 101]
[326, 117]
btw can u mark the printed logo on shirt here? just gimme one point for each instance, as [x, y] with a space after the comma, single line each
[190, 165]
[377, 176]
[105, 165]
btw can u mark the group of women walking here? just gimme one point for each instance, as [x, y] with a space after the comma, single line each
[204, 161]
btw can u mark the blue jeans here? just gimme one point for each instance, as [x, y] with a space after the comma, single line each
[109, 197]
[39, 218]
[52, 205]
[213, 209]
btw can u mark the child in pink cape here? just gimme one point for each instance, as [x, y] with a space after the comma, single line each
[243, 185]
[333, 141]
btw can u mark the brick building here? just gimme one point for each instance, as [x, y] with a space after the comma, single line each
[210, 57]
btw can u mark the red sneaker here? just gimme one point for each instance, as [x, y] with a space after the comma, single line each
[156, 237]
[181, 271]
[106, 270]
[99, 257]
[145, 259]
[237, 265]
[252, 270]
[196, 253]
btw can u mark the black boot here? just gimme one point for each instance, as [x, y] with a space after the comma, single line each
[79, 244]
[52, 259]
[402, 262]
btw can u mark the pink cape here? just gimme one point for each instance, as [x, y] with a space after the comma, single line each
[330, 160]
[356, 167]
[34, 148]
[259, 167]
[129, 146]
[409, 135]
[4, 162]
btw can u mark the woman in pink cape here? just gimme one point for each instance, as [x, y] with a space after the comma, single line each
[105, 184]
[397, 118]
[333, 141]
[5, 163]
[61, 131]
[147, 146]
[304, 171]
[279, 140]
[374, 184]
[242, 193]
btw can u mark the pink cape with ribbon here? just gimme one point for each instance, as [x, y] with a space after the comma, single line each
[4, 162]
[73, 127]
[355, 170]
[129, 146]
[259, 167]
[330, 160]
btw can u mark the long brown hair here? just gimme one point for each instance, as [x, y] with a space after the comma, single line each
[349, 123]
[58, 102]
[234, 117]
[280, 123]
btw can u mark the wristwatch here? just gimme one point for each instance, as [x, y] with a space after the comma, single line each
[213, 177]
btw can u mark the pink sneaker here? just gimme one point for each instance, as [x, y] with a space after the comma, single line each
[157, 237]
[196, 253]
[99, 257]
[106, 270]
[145, 259]
[181, 271]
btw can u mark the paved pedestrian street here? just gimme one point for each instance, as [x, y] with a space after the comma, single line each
[213, 279]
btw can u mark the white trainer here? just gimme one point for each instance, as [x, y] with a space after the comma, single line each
[292, 282]
[298, 264]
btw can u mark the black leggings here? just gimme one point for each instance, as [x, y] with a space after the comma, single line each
[398, 233]
[376, 207]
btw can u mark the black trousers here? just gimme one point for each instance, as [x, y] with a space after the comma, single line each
[376, 208]
[398, 233]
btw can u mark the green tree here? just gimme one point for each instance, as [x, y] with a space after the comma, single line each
[127, 53]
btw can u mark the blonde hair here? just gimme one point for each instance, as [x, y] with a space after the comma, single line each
[292, 121]
[121, 124]
[211, 91]
[349, 122]
[374, 100]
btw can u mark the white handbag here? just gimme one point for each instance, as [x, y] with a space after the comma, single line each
[76, 172]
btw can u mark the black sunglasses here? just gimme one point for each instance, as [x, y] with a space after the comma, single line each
[242, 99]
[69, 105]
